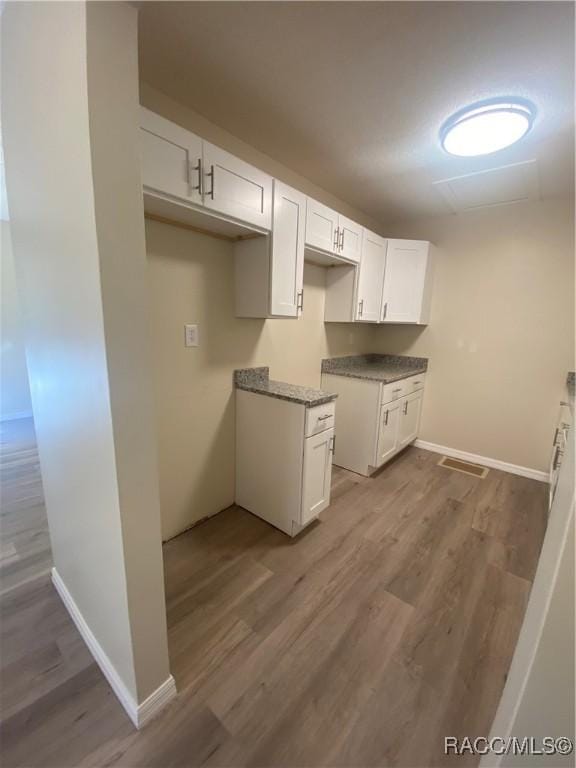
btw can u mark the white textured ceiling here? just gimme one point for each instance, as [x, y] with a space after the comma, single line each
[352, 94]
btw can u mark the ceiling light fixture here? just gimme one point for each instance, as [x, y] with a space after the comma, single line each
[487, 126]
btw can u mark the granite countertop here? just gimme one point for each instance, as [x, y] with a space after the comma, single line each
[258, 380]
[385, 368]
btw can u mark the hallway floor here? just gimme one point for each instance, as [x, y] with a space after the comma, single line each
[384, 627]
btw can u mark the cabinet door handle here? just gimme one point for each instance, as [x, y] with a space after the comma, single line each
[557, 458]
[210, 192]
[360, 307]
[342, 239]
[336, 238]
[385, 310]
[323, 418]
[405, 408]
[191, 170]
[386, 419]
[300, 301]
[332, 444]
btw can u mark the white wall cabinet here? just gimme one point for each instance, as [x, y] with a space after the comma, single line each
[171, 158]
[354, 293]
[374, 420]
[407, 282]
[321, 226]
[283, 461]
[235, 188]
[270, 270]
[370, 278]
[392, 284]
[184, 168]
[332, 233]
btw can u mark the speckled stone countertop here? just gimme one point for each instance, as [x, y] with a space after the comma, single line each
[258, 380]
[385, 368]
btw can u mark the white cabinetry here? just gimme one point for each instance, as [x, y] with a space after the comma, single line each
[283, 459]
[354, 292]
[270, 270]
[407, 282]
[171, 158]
[370, 278]
[321, 226]
[332, 233]
[374, 421]
[391, 284]
[235, 188]
[179, 167]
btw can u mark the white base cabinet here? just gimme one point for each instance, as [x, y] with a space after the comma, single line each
[284, 457]
[375, 421]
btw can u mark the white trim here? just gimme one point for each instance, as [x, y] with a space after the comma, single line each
[16, 415]
[156, 701]
[138, 713]
[504, 466]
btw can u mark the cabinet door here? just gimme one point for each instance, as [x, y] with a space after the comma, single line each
[170, 158]
[404, 281]
[287, 272]
[349, 239]
[317, 474]
[370, 278]
[388, 431]
[410, 418]
[321, 226]
[235, 188]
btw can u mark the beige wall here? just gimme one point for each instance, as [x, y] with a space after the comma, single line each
[191, 281]
[15, 392]
[68, 74]
[501, 334]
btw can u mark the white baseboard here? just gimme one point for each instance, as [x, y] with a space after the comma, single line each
[16, 415]
[503, 466]
[138, 713]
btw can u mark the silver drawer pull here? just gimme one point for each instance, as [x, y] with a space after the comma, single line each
[398, 389]
[323, 418]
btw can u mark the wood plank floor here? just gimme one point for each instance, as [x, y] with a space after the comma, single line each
[381, 629]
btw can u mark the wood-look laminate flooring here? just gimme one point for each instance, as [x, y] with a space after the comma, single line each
[384, 627]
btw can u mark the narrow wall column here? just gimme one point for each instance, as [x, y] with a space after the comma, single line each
[70, 124]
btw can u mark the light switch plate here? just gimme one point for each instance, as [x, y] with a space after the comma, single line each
[191, 337]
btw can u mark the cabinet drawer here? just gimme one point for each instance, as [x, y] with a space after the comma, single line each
[319, 418]
[397, 389]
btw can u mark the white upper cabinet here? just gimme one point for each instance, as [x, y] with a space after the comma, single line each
[370, 278]
[270, 270]
[235, 188]
[407, 282]
[287, 258]
[171, 158]
[178, 165]
[321, 226]
[349, 239]
[330, 232]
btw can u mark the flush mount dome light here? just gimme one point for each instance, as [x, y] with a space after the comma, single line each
[487, 126]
